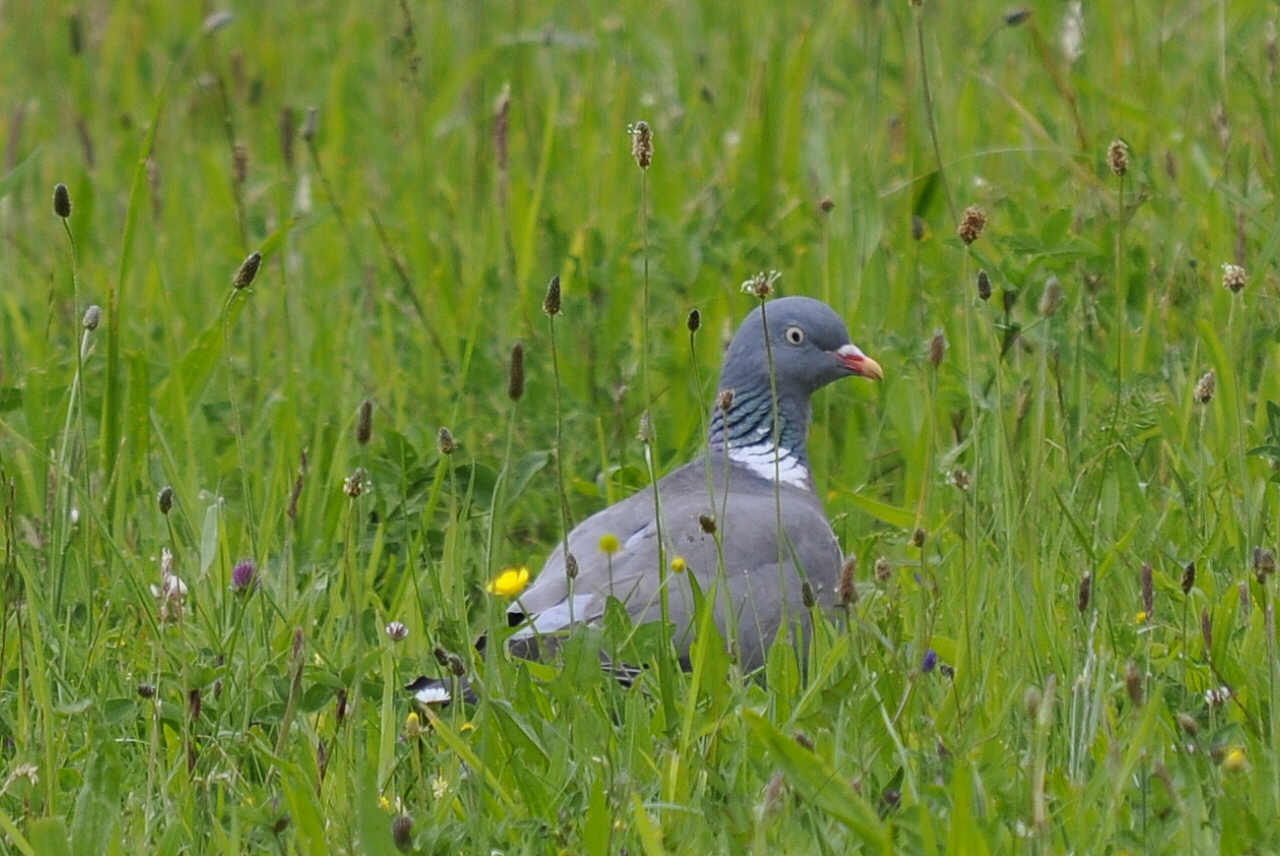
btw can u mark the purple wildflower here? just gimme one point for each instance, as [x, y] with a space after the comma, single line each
[244, 576]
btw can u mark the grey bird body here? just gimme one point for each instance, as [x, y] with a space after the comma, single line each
[774, 534]
[757, 589]
[753, 482]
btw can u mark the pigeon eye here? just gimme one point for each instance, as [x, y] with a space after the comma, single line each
[794, 335]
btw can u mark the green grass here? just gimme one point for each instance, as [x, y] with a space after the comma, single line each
[401, 265]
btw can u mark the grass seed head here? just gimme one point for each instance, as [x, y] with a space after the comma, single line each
[760, 286]
[402, 832]
[884, 569]
[515, 378]
[1118, 157]
[364, 423]
[165, 499]
[825, 204]
[1234, 278]
[1083, 593]
[725, 400]
[501, 126]
[356, 483]
[917, 538]
[445, 442]
[1188, 724]
[971, 224]
[642, 144]
[694, 321]
[146, 690]
[1188, 577]
[707, 523]
[645, 432]
[847, 590]
[937, 347]
[570, 566]
[807, 595]
[984, 285]
[1264, 564]
[1206, 630]
[551, 303]
[247, 271]
[1205, 387]
[61, 200]
[92, 316]
[1133, 684]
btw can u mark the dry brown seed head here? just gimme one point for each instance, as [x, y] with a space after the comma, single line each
[1118, 157]
[61, 200]
[847, 591]
[165, 499]
[1133, 684]
[1234, 278]
[694, 320]
[247, 271]
[937, 347]
[1188, 577]
[642, 144]
[551, 303]
[708, 523]
[917, 538]
[807, 595]
[917, 227]
[1188, 723]
[971, 225]
[1205, 387]
[1206, 630]
[364, 423]
[354, 484]
[725, 400]
[1084, 593]
[884, 569]
[960, 478]
[825, 204]
[515, 379]
[570, 566]
[984, 285]
[761, 285]
[402, 832]
[445, 442]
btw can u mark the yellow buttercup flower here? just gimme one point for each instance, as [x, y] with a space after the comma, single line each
[510, 582]
[1141, 617]
[678, 565]
[412, 726]
[1234, 760]
[609, 543]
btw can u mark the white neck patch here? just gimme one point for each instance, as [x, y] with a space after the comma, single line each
[762, 460]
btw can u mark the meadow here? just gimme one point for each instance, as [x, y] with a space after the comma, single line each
[223, 485]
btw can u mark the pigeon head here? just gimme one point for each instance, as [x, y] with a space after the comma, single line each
[809, 344]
